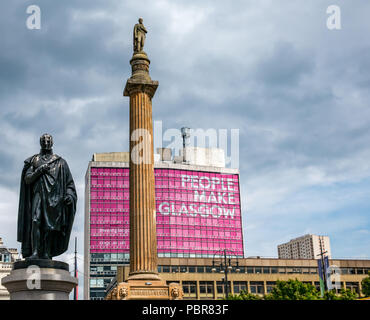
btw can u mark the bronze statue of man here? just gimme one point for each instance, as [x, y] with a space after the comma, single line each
[139, 36]
[47, 204]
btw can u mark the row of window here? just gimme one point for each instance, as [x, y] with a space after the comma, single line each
[257, 270]
[163, 221]
[206, 288]
[255, 287]
[240, 269]
[158, 172]
[170, 185]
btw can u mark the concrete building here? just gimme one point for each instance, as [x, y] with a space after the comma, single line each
[7, 257]
[198, 211]
[308, 246]
[256, 275]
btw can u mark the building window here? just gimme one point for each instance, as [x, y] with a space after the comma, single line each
[221, 286]
[206, 287]
[200, 269]
[189, 287]
[258, 270]
[270, 285]
[274, 270]
[183, 269]
[175, 269]
[351, 271]
[266, 270]
[250, 270]
[354, 286]
[192, 269]
[313, 270]
[257, 287]
[282, 270]
[242, 269]
[360, 271]
[239, 286]
[166, 269]
[208, 269]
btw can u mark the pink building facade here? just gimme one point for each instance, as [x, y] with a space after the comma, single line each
[198, 213]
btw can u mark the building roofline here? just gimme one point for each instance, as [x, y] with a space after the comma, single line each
[165, 165]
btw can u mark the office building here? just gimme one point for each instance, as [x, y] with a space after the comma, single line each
[200, 280]
[309, 246]
[198, 211]
[7, 257]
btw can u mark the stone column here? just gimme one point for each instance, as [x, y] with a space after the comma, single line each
[143, 236]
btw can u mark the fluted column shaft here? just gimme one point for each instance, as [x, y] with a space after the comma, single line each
[143, 235]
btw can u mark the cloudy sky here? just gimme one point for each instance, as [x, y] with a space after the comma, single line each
[297, 91]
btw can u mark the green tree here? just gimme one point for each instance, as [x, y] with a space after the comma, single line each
[293, 290]
[366, 285]
[344, 294]
[244, 295]
[347, 294]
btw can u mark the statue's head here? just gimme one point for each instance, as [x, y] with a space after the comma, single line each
[140, 20]
[46, 141]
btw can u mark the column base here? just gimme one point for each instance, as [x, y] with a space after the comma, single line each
[147, 276]
[145, 290]
[39, 283]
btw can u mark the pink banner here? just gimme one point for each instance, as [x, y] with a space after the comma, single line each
[198, 213]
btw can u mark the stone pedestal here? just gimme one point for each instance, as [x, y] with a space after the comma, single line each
[146, 290]
[39, 280]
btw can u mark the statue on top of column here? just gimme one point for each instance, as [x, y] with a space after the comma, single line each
[139, 36]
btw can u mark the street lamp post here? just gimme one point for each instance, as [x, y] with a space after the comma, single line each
[225, 267]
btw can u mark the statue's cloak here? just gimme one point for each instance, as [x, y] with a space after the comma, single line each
[58, 217]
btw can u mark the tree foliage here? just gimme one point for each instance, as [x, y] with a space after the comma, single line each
[296, 290]
[366, 285]
[244, 295]
[344, 294]
[293, 290]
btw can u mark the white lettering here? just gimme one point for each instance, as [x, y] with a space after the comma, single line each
[221, 196]
[231, 199]
[218, 213]
[334, 21]
[34, 20]
[202, 185]
[201, 197]
[140, 154]
[167, 211]
[184, 179]
[214, 182]
[193, 181]
[230, 184]
[34, 278]
[227, 212]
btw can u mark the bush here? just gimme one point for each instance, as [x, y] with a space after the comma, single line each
[293, 290]
[244, 295]
[366, 286]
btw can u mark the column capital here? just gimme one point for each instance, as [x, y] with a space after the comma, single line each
[138, 85]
